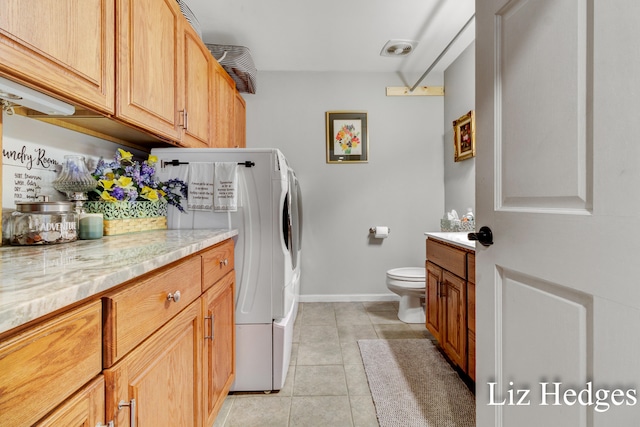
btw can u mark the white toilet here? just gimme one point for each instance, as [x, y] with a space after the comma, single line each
[409, 284]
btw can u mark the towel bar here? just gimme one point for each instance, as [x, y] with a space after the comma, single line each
[246, 164]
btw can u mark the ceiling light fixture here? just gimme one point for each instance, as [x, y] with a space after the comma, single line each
[26, 97]
[398, 48]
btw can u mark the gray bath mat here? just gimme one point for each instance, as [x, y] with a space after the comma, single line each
[412, 385]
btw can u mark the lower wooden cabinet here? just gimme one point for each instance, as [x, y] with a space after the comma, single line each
[433, 302]
[169, 355]
[158, 383]
[471, 314]
[450, 302]
[454, 297]
[85, 408]
[219, 345]
[446, 299]
[47, 363]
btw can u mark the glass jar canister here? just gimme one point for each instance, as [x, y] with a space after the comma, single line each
[44, 223]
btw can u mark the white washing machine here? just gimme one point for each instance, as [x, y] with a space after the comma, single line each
[267, 254]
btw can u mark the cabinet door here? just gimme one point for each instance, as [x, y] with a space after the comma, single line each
[219, 346]
[471, 320]
[224, 99]
[45, 364]
[454, 342]
[66, 47]
[240, 121]
[433, 301]
[85, 408]
[162, 376]
[149, 57]
[196, 116]
[471, 315]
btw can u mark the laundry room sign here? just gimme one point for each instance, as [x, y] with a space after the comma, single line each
[28, 171]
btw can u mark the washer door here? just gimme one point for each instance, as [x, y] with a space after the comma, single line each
[286, 223]
[296, 218]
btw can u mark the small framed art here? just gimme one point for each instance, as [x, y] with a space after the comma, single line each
[464, 137]
[347, 138]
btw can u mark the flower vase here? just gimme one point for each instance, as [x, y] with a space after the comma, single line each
[131, 216]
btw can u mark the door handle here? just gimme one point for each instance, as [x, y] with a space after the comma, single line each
[484, 236]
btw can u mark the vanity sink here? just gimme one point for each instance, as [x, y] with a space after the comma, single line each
[459, 238]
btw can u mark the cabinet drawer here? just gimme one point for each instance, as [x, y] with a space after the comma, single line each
[132, 314]
[447, 257]
[216, 263]
[44, 365]
[471, 268]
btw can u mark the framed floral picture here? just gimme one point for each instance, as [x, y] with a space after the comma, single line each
[347, 138]
[464, 137]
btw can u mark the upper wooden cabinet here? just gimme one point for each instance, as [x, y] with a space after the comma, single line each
[224, 103]
[164, 78]
[149, 73]
[137, 65]
[197, 116]
[61, 47]
[240, 122]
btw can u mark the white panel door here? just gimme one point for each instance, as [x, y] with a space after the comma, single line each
[558, 182]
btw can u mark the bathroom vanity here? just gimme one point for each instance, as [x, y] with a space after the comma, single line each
[450, 296]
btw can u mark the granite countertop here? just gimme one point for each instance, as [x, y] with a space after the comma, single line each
[38, 280]
[456, 238]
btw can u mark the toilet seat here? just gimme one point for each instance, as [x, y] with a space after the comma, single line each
[407, 274]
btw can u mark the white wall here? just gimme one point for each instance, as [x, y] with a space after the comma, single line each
[459, 178]
[35, 149]
[401, 186]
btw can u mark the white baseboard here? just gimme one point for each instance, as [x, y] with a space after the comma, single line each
[349, 298]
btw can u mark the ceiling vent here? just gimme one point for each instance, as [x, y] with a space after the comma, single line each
[398, 48]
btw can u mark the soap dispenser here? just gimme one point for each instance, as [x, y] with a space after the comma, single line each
[469, 216]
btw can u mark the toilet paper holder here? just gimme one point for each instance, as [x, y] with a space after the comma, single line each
[372, 230]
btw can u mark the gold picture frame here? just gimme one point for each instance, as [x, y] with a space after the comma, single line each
[347, 137]
[464, 137]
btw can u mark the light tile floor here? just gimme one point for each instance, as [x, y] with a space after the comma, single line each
[326, 384]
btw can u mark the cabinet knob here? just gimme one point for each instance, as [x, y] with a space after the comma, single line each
[224, 262]
[174, 296]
